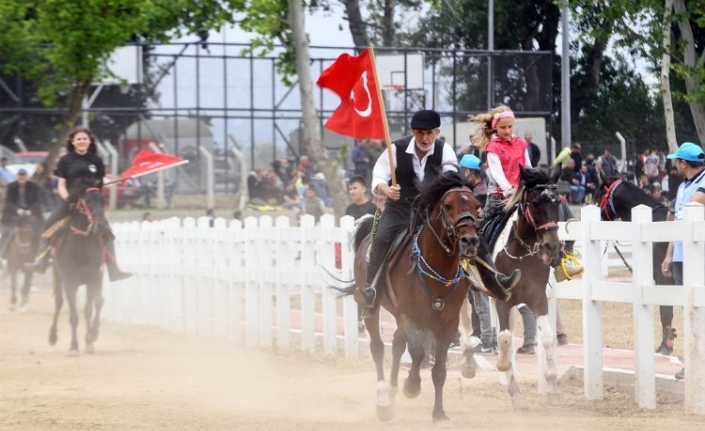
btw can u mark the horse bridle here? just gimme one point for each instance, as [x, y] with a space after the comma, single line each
[452, 226]
[607, 202]
[525, 207]
[82, 207]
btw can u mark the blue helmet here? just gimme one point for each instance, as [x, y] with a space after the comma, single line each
[470, 161]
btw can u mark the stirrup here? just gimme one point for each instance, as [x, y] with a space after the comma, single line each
[568, 268]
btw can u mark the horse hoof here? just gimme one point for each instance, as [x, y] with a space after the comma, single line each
[553, 399]
[442, 420]
[412, 389]
[53, 338]
[385, 413]
[503, 366]
[90, 349]
[519, 404]
[24, 308]
[73, 353]
[468, 371]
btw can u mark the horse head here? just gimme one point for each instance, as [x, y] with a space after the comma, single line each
[91, 211]
[453, 214]
[538, 205]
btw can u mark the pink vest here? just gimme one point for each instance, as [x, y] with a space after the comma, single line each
[511, 154]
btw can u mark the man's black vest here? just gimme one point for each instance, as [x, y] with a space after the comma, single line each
[406, 177]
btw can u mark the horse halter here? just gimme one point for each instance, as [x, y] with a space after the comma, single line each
[82, 208]
[607, 202]
[525, 206]
[452, 226]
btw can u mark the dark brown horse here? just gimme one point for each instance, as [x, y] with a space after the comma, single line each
[616, 199]
[78, 262]
[529, 241]
[21, 250]
[425, 287]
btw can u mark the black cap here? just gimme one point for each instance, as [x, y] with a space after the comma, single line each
[426, 120]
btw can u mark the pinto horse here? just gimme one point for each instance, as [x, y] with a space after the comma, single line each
[529, 242]
[79, 257]
[426, 287]
[616, 199]
[21, 250]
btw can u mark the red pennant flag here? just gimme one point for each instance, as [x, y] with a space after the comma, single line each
[147, 162]
[360, 114]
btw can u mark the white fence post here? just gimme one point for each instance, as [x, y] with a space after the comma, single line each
[285, 260]
[267, 275]
[190, 281]
[592, 310]
[308, 294]
[252, 282]
[326, 258]
[352, 337]
[238, 279]
[694, 308]
[644, 359]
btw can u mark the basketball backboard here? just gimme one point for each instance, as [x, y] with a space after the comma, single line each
[400, 70]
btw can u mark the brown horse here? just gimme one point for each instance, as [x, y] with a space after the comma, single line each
[529, 241]
[426, 287]
[21, 250]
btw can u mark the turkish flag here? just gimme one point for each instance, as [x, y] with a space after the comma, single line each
[147, 162]
[360, 114]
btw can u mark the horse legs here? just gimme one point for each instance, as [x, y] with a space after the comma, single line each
[438, 373]
[94, 299]
[88, 315]
[58, 302]
[73, 317]
[98, 302]
[548, 340]
[506, 353]
[412, 384]
[468, 366]
[398, 348]
[385, 408]
[13, 288]
[27, 284]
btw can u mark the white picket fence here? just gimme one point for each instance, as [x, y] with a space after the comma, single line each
[263, 281]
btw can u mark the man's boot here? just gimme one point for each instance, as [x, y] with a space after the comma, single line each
[114, 272]
[40, 264]
[497, 284]
[666, 347]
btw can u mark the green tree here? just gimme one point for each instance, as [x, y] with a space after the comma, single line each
[62, 45]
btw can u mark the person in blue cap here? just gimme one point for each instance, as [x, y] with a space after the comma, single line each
[690, 162]
[472, 168]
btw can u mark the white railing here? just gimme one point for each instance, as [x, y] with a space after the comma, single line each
[262, 281]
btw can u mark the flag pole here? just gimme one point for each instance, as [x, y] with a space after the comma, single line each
[387, 139]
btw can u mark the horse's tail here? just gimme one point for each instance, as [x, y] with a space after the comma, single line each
[359, 234]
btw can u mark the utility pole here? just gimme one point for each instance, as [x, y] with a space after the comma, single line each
[490, 48]
[565, 76]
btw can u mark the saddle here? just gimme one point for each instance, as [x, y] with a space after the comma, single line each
[493, 224]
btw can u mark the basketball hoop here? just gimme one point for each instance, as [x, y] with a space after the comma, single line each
[397, 88]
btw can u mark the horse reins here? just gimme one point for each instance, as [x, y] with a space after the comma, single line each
[82, 208]
[451, 227]
[607, 201]
[525, 208]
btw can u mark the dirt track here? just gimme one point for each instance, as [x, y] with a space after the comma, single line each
[146, 379]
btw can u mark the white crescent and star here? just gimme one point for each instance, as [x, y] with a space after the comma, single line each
[368, 111]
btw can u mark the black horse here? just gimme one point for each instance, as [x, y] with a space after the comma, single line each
[21, 250]
[80, 253]
[616, 199]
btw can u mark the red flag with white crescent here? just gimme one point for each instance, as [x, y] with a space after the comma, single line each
[148, 162]
[359, 114]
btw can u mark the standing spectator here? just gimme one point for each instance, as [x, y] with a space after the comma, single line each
[590, 162]
[674, 181]
[375, 149]
[586, 183]
[313, 205]
[565, 155]
[534, 150]
[608, 164]
[639, 165]
[568, 175]
[255, 187]
[690, 162]
[361, 205]
[306, 169]
[361, 159]
[651, 162]
[576, 155]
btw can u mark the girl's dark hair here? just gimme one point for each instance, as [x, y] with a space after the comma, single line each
[93, 148]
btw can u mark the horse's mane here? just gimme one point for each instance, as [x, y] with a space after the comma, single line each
[433, 191]
[530, 179]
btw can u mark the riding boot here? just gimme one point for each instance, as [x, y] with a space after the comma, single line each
[114, 272]
[567, 266]
[497, 284]
[40, 264]
[666, 347]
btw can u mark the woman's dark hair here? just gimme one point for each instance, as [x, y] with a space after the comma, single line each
[93, 148]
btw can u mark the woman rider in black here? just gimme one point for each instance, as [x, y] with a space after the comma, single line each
[79, 169]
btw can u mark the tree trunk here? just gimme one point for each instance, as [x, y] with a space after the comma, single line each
[312, 128]
[691, 82]
[665, 80]
[358, 28]
[388, 24]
